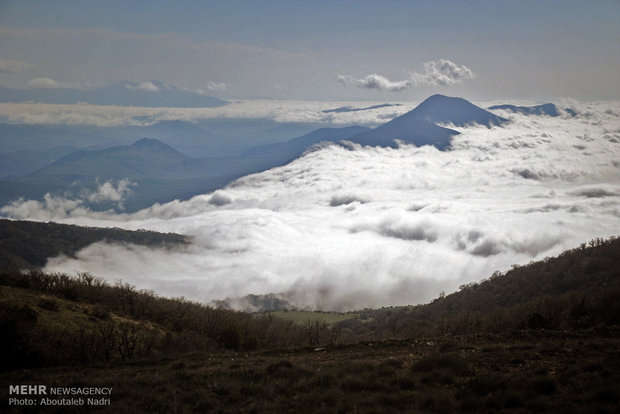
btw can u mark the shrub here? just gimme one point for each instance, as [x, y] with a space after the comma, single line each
[48, 304]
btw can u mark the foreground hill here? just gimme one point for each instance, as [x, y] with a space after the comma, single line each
[167, 355]
[579, 288]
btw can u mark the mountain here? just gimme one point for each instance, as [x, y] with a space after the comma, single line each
[293, 148]
[157, 173]
[350, 109]
[162, 173]
[126, 93]
[206, 138]
[184, 136]
[419, 126]
[24, 162]
[544, 109]
[147, 157]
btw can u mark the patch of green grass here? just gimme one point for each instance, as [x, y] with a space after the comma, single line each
[301, 317]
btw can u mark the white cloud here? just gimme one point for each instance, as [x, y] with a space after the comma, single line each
[55, 207]
[147, 87]
[346, 228]
[111, 192]
[216, 87]
[13, 66]
[375, 81]
[442, 72]
[43, 83]
[48, 83]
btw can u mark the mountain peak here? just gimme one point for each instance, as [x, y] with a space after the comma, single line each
[152, 144]
[419, 126]
[453, 110]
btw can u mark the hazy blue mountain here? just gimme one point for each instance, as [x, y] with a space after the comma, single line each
[207, 138]
[126, 93]
[162, 173]
[544, 109]
[159, 173]
[184, 136]
[293, 148]
[45, 137]
[24, 162]
[349, 109]
[419, 126]
[146, 158]
[455, 111]
[239, 135]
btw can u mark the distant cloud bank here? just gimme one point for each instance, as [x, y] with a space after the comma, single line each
[442, 72]
[370, 112]
[47, 83]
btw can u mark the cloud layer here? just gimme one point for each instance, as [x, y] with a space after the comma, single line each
[47, 83]
[276, 110]
[351, 227]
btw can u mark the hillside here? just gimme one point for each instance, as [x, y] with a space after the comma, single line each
[579, 288]
[28, 244]
[168, 355]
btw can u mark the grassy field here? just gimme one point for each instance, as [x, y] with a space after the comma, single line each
[302, 317]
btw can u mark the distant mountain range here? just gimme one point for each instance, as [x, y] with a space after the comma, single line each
[349, 109]
[146, 158]
[548, 109]
[162, 173]
[149, 94]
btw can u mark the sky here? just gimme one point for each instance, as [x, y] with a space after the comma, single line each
[321, 50]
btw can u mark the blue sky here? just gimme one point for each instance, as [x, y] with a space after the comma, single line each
[297, 49]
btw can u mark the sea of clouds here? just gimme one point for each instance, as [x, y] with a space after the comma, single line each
[281, 111]
[346, 227]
